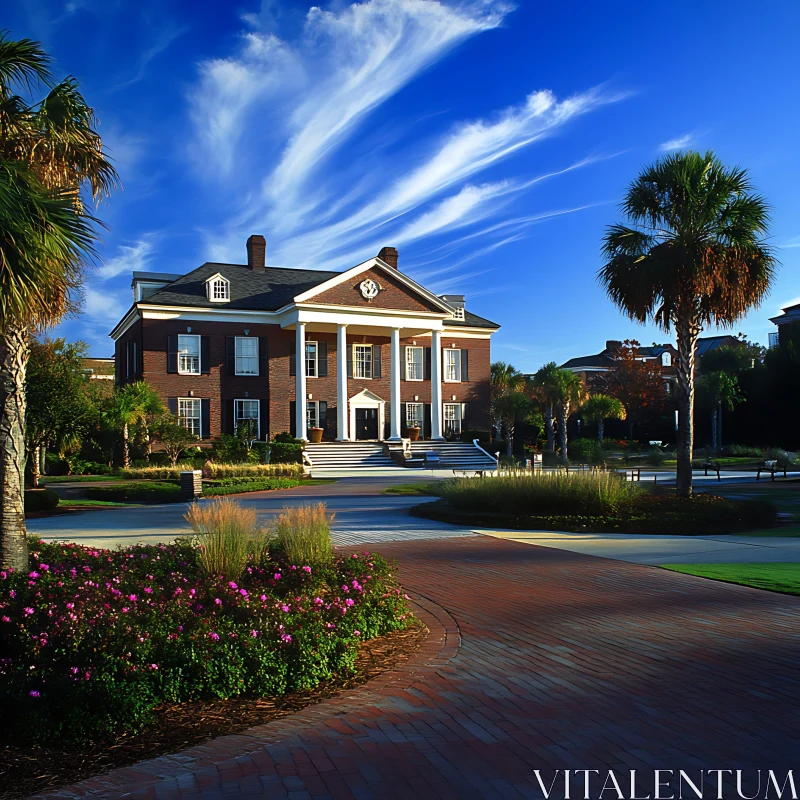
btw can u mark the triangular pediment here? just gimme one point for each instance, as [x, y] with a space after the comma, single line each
[375, 284]
[365, 395]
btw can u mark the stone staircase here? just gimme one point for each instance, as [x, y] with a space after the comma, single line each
[348, 455]
[456, 455]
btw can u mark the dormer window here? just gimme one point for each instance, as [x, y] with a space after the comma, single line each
[458, 313]
[666, 359]
[218, 288]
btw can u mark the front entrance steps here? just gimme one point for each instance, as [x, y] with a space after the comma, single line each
[373, 455]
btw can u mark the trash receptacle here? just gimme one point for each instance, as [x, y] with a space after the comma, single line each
[191, 484]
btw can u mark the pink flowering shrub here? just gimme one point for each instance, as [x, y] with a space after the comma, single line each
[91, 641]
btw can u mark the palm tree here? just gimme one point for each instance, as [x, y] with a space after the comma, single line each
[505, 380]
[694, 255]
[600, 407]
[513, 408]
[48, 151]
[135, 404]
[569, 391]
[546, 383]
[719, 390]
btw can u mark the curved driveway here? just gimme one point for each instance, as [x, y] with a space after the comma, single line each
[363, 515]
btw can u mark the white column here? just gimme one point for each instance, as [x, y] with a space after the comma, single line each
[343, 418]
[394, 424]
[300, 385]
[436, 385]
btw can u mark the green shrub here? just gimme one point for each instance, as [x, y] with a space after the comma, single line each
[741, 451]
[94, 640]
[136, 493]
[540, 493]
[238, 485]
[56, 465]
[214, 470]
[285, 452]
[304, 534]
[40, 499]
[586, 451]
[783, 457]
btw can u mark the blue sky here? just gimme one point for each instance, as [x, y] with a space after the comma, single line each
[490, 142]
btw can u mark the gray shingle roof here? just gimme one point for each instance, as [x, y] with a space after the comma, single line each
[254, 291]
[598, 360]
[472, 321]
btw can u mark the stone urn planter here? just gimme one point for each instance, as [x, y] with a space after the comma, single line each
[413, 434]
[316, 435]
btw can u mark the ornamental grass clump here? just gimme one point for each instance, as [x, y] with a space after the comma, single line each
[94, 641]
[577, 493]
[214, 470]
[224, 533]
[303, 533]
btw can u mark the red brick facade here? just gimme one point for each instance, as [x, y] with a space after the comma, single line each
[276, 389]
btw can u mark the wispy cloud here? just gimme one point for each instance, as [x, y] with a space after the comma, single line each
[100, 306]
[164, 38]
[129, 258]
[791, 243]
[678, 143]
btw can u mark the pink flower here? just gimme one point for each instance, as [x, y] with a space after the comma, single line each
[28, 611]
[285, 637]
[218, 601]
[254, 634]
[285, 608]
[277, 576]
[132, 598]
[318, 601]
[44, 567]
[148, 590]
[356, 633]
[214, 636]
[349, 602]
[233, 585]
[307, 569]
[263, 598]
[33, 574]
[243, 592]
[33, 693]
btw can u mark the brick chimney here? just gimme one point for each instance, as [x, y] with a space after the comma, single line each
[389, 256]
[256, 252]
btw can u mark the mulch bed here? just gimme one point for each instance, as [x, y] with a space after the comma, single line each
[27, 770]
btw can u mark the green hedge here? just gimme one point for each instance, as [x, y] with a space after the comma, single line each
[40, 500]
[285, 452]
[238, 485]
[136, 493]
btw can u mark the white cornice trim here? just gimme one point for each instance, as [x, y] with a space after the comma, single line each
[371, 310]
[130, 317]
[371, 263]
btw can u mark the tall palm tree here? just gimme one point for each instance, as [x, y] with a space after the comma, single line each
[600, 407]
[505, 380]
[135, 404]
[569, 392]
[719, 390]
[693, 255]
[546, 383]
[49, 150]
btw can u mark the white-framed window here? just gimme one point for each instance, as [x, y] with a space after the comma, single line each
[362, 360]
[312, 414]
[188, 354]
[415, 369]
[666, 359]
[247, 412]
[458, 313]
[452, 366]
[452, 419]
[312, 355]
[414, 415]
[219, 289]
[189, 415]
[246, 355]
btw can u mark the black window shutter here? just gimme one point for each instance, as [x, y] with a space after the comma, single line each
[376, 361]
[263, 367]
[230, 355]
[205, 356]
[464, 365]
[172, 405]
[349, 361]
[205, 418]
[404, 363]
[428, 360]
[293, 418]
[172, 353]
[426, 425]
[263, 412]
[229, 421]
[322, 422]
[403, 419]
[322, 362]
[117, 362]
[293, 364]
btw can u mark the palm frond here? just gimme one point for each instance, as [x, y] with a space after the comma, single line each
[22, 62]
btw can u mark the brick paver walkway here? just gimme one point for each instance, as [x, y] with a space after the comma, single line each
[539, 658]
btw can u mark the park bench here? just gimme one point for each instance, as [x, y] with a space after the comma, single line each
[465, 473]
[631, 474]
[772, 467]
[710, 465]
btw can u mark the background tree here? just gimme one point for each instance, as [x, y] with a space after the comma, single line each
[569, 393]
[693, 255]
[638, 384]
[174, 438]
[600, 407]
[546, 386]
[59, 411]
[134, 404]
[505, 380]
[512, 409]
[49, 150]
[719, 390]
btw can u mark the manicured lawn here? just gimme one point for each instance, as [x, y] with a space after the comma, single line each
[99, 503]
[775, 577]
[409, 489]
[785, 496]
